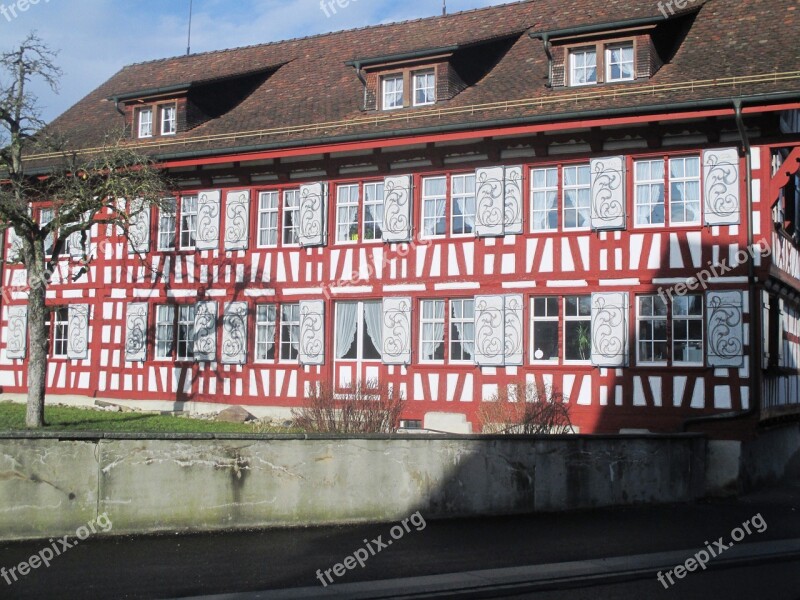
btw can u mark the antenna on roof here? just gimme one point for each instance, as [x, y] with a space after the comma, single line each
[444, 8]
[189, 43]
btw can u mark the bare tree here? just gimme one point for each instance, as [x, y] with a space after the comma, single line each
[526, 409]
[82, 190]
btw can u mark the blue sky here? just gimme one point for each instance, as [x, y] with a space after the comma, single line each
[96, 38]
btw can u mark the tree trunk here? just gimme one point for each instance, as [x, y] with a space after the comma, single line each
[37, 362]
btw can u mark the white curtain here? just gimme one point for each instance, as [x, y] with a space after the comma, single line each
[467, 210]
[464, 337]
[346, 327]
[373, 315]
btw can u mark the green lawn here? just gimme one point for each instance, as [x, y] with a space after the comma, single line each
[60, 418]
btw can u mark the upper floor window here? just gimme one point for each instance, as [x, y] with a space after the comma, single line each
[392, 92]
[583, 66]
[268, 219]
[291, 217]
[188, 222]
[434, 206]
[544, 199]
[651, 180]
[619, 62]
[577, 197]
[424, 88]
[145, 125]
[463, 205]
[169, 119]
[45, 216]
[373, 211]
[166, 225]
[347, 201]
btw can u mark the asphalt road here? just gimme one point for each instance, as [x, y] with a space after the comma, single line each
[122, 568]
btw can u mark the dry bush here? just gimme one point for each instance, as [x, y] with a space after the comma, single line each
[528, 409]
[362, 407]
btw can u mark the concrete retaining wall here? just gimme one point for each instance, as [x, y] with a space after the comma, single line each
[52, 486]
[772, 457]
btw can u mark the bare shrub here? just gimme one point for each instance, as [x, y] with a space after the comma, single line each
[529, 409]
[362, 407]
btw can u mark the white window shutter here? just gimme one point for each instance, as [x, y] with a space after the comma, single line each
[312, 332]
[608, 192]
[205, 332]
[237, 220]
[725, 329]
[234, 333]
[610, 347]
[396, 331]
[78, 332]
[139, 228]
[513, 201]
[312, 226]
[513, 329]
[16, 245]
[721, 189]
[490, 345]
[136, 332]
[208, 220]
[490, 210]
[17, 344]
[397, 209]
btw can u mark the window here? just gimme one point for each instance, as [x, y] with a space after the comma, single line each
[463, 205]
[544, 195]
[166, 225]
[359, 329]
[186, 313]
[432, 332]
[577, 198]
[266, 315]
[291, 217]
[578, 328]
[45, 217]
[373, 211]
[684, 190]
[146, 122]
[347, 213]
[392, 92]
[434, 202]
[544, 334]
[169, 120]
[583, 66]
[267, 219]
[619, 62]
[290, 332]
[165, 330]
[60, 331]
[188, 222]
[652, 318]
[687, 330]
[649, 192]
[462, 330]
[424, 88]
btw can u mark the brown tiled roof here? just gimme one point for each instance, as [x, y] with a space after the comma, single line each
[734, 48]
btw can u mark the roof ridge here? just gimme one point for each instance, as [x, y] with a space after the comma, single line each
[328, 34]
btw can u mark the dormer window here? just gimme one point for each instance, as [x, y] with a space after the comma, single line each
[145, 119]
[393, 91]
[583, 66]
[619, 62]
[602, 62]
[169, 119]
[425, 88]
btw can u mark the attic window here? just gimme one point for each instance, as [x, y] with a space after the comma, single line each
[169, 119]
[144, 117]
[408, 87]
[602, 62]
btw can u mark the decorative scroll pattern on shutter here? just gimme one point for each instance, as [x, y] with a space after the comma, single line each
[397, 209]
[396, 331]
[721, 190]
[490, 345]
[608, 193]
[17, 345]
[237, 220]
[208, 210]
[490, 211]
[79, 241]
[16, 245]
[311, 229]
[234, 334]
[78, 332]
[136, 332]
[513, 329]
[610, 347]
[725, 329]
[312, 332]
[139, 228]
[513, 201]
[205, 332]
